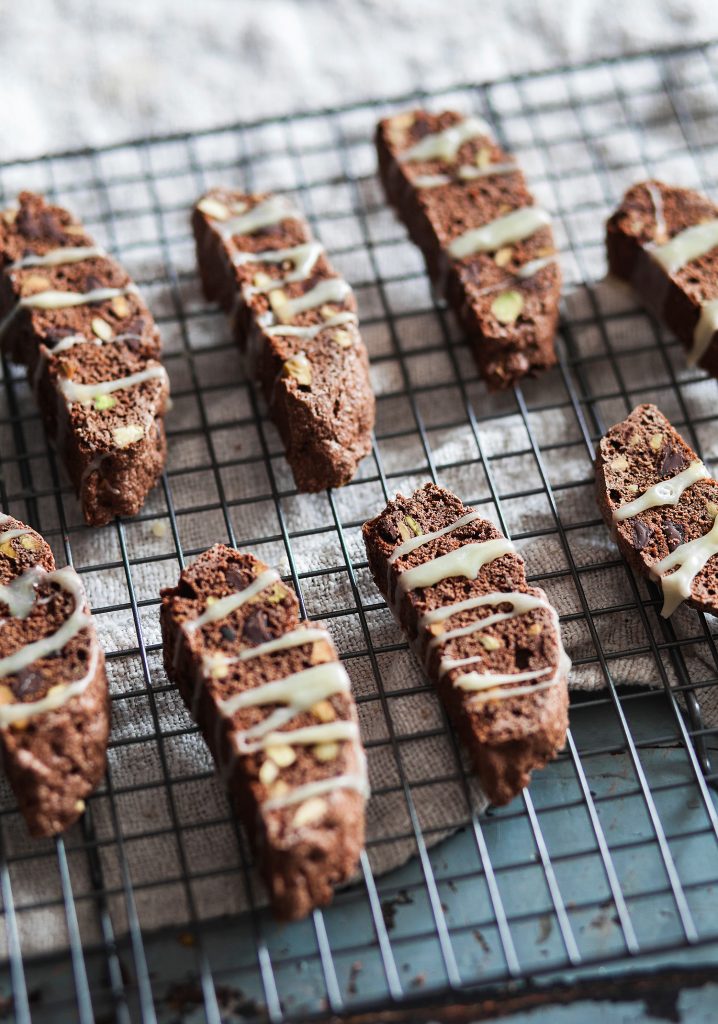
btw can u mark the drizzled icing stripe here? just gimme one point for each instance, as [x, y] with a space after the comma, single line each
[295, 638]
[20, 598]
[304, 258]
[292, 330]
[520, 605]
[310, 735]
[466, 561]
[356, 781]
[297, 691]
[264, 215]
[226, 605]
[445, 145]
[333, 289]
[705, 329]
[466, 173]
[656, 197]
[425, 538]
[63, 300]
[689, 244]
[513, 227]
[477, 681]
[60, 257]
[12, 534]
[689, 558]
[85, 394]
[665, 492]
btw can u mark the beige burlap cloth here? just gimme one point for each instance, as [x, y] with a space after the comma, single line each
[162, 810]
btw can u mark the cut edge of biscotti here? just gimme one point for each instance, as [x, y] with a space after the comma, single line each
[661, 505]
[499, 271]
[54, 707]
[663, 240]
[490, 643]
[235, 646]
[71, 314]
[295, 318]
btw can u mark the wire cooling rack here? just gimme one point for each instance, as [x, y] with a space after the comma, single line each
[612, 854]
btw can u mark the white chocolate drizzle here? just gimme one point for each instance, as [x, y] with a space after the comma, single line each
[705, 329]
[223, 607]
[468, 172]
[445, 145]
[665, 492]
[264, 215]
[20, 597]
[513, 227]
[297, 692]
[425, 538]
[310, 735]
[354, 780]
[65, 300]
[311, 331]
[659, 213]
[687, 245]
[532, 267]
[689, 558]
[85, 394]
[431, 180]
[303, 257]
[333, 289]
[477, 681]
[466, 561]
[60, 257]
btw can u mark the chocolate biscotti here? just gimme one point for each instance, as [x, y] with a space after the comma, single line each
[664, 241]
[490, 643]
[661, 504]
[71, 314]
[54, 709]
[488, 248]
[275, 707]
[295, 318]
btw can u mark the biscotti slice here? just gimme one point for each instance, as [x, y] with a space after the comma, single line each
[664, 241]
[71, 314]
[661, 504]
[488, 248]
[490, 643]
[54, 708]
[275, 707]
[295, 318]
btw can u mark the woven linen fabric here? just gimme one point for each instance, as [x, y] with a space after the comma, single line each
[153, 741]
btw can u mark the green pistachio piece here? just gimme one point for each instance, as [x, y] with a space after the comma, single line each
[507, 306]
[417, 530]
[103, 402]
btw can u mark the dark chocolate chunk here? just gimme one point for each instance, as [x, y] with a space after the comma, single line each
[27, 682]
[672, 463]
[236, 579]
[228, 633]
[673, 535]
[642, 534]
[256, 628]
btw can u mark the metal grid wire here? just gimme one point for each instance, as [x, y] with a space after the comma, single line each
[136, 198]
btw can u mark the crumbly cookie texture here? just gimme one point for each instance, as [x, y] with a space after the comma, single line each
[295, 318]
[71, 314]
[54, 707]
[275, 707]
[663, 241]
[488, 248]
[490, 643]
[660, 503]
